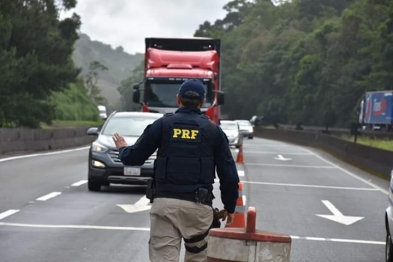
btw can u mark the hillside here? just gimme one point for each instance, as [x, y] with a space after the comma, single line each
[119, 63]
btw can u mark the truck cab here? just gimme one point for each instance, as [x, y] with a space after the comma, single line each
[168, 63]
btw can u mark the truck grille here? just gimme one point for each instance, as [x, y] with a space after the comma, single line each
[113, 154]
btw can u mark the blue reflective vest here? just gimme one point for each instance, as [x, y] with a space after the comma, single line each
[185, 159]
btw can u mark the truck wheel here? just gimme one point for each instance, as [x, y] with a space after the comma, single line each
[388, 248]
[93, 186]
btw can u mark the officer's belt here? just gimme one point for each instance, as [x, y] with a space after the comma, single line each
[185, 196]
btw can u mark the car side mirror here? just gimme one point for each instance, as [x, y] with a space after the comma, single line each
[92, 131]
[220, 98]
[136, 94]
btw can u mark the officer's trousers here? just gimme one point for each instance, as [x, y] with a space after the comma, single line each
[174, 219]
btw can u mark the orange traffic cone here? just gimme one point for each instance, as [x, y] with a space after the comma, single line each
[239, 219]
[240, 159]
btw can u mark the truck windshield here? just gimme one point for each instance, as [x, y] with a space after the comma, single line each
[163, 94]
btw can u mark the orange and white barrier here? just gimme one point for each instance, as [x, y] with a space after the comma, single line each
[247, 244]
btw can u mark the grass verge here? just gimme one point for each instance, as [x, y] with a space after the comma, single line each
[385, 144]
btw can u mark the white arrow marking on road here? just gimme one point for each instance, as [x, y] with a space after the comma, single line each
[280, 157]
[338, 216]
[143, 204]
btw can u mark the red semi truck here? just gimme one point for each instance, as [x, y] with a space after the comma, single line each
[171, 61]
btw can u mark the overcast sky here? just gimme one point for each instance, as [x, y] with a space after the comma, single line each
[128, 22]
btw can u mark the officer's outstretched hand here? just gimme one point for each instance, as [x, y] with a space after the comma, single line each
[119, 141]
[230, 218]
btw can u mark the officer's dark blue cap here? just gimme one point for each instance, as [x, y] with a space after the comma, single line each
[194, 85]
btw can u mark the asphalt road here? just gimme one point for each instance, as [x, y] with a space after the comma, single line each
[47, 214]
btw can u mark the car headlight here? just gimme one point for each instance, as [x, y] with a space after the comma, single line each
[250, 129]
[98, 164]
[98, 148]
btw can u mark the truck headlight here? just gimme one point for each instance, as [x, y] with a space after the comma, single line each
[98, 148]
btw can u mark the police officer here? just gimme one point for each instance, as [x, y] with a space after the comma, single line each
[190, 148]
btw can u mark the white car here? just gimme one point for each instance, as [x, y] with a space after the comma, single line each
[232, 130]
[102, 110]
[246, 128]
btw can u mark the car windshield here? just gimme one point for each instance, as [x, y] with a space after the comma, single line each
[228, 126]
[127, 126]
[163, 94]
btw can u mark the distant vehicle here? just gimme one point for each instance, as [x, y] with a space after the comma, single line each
[256, 120]
[389, 224]
[104, 166]
[246, 128]
[376, 111]
[232, 130]
[103, 113]
[171, 61]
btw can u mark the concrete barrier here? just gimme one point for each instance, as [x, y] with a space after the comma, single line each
[247, 244]
[371, 159]
[13, 141]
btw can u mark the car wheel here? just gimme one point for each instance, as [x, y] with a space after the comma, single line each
[388, 248]
[237, 146]
[250, 137]
[94, 186]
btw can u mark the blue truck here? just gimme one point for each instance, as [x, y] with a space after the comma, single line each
[376, 110]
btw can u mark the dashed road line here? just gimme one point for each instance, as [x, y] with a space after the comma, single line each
[79, 183]
[48, 196]
[295, 166]
[8, 213]
[43, 154]
[311, 186]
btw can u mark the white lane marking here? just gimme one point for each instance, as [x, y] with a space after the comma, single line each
[48, 196]
[79, 183]
[354, 241]
[240, 172]
[311, 186]
[146, 229]
[76, 227]
[299, 166]
[338, 216]
[275, 153]
[350, 173]
[142, 204]
[281, 158]
[8, 213]
[43, 154]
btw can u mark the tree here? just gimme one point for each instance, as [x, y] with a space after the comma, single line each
[91, 81]
[35, 55]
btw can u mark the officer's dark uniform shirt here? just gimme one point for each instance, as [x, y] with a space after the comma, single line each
[185, 161]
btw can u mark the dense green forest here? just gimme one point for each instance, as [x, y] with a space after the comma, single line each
[307, 61]
[36, 66]
[49, 71]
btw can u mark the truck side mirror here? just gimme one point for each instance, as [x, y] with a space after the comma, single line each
[136, 94]
[220, 98]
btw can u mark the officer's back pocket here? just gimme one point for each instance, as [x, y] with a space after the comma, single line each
[184, 171]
